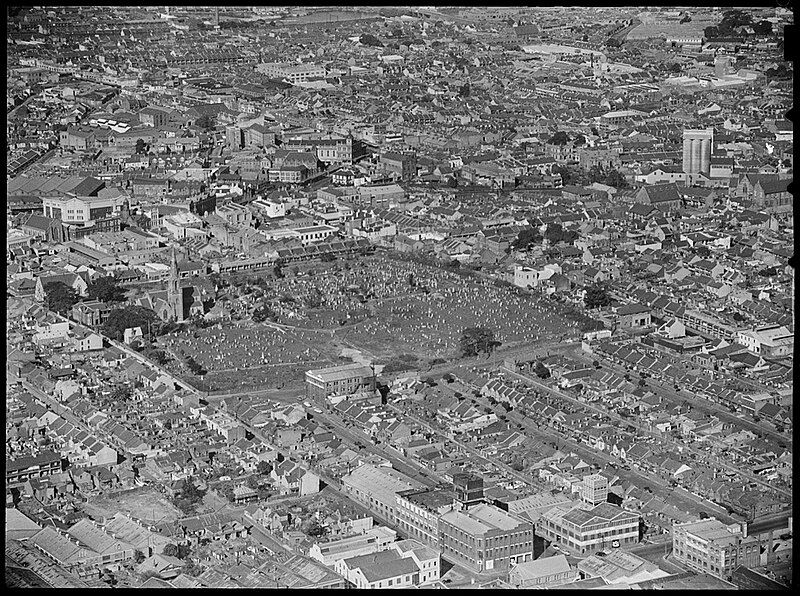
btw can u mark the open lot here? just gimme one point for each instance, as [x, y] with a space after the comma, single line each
[144, 503]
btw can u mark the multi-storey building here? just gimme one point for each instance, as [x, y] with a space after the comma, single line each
[39, 466]
[485, 538]
[376, 488]
[401, 165]
[771, 341]
[709, 546]
[293, 73]
[594, 489]
[339, 380]
[418, 513]
[82, 210]
[585, 529]
[697, 146]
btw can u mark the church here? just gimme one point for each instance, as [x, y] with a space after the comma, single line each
[175, 303]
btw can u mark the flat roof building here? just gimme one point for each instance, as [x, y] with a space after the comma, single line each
[418, 513]
[339, 380]
[585, 529]
[542, 573]
[485, 538]
[376, 488]
[373, 540]
[711, 547]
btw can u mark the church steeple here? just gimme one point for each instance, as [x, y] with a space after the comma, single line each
[173, 272]
[174, 294]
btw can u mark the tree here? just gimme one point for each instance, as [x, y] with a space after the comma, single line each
[368, 39]
[157, 355]
[121, 394]
[129, 316]
[138, 556]
[540, 370]
[264, 313]
[207, 122]
[555, 233]
[195, 367]
[171, 550]
[596, 296]
[264, 468]
[59, 297]
[141, 147]
[183, 551]
[616, 179]
[314, 529]
[613, 42]
[106, 289]
[464, 91]
[762, 28]
[526, 238]
[559, 138]
[475, 340]
[192, 569]
[189, 496]
[596, 174]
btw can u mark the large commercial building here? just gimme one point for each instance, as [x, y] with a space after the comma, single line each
[585, 529]
[772, 341]
[293, 73]
[339, 380]
[400, 165]
[485, 538]
[373, 540]
[709, 546]
[407, 563]
[376, 488]
[418, 513]
[697, 147]
[82, 210]
[543, 573]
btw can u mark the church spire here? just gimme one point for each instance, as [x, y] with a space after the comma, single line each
[174, 294]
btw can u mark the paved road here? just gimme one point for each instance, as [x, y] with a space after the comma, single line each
[407, 466]
[660, 487]
[667, 391]
[643, 429]
[528, 480]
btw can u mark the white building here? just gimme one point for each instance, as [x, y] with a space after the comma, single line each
[770, 341]
[373, 540]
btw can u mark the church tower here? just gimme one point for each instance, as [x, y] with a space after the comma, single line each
[174, 293]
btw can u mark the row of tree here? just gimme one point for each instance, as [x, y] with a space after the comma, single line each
[731, 22]
[60, 298]
[554, 234]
